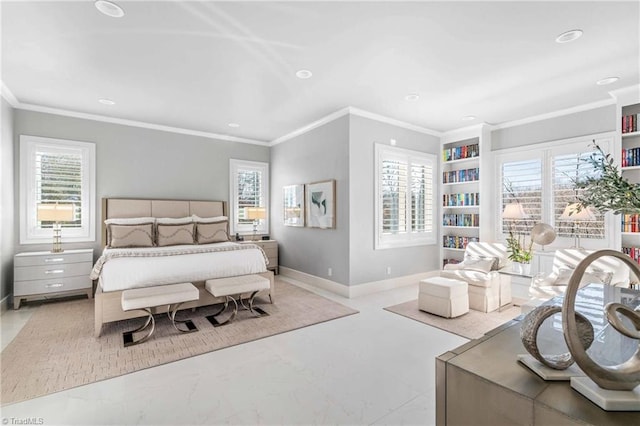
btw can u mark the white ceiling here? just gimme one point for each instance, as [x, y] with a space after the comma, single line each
[202, 65]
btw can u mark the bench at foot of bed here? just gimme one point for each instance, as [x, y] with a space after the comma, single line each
[236, 286]
[144, 299]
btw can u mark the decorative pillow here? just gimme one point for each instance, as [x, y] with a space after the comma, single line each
[174, 220]
[590, 276]
[171, 235]
[207, 233]
[479, 264]
[128, 221]
[214, 219]
[494, 266]
[121, 236]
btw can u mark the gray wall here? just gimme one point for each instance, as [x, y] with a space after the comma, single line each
[7, 229]
[138, 162]
[582, 123]
[366, 263]
[320, 154]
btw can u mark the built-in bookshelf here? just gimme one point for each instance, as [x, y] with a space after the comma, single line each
[460, 197]
[630, 167]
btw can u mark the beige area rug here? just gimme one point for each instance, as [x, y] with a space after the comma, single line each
[471, 325]
[56, 349]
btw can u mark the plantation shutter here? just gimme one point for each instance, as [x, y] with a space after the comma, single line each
[58, 179]
[567, 170]
[522, 183]
[249, 194]
[405, 198]
[249, 187]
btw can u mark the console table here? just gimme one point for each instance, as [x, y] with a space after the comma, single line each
[482, 383]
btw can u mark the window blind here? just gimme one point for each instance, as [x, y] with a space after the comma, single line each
[250, 190]
[522, 183]
[394, 196]
[422, 197]
[58, 179]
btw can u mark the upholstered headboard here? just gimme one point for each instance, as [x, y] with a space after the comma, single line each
[142, 207]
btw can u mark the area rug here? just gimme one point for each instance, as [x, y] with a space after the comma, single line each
[471, 325]
[56, 349]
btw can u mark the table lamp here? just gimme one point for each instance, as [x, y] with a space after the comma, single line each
[56, 213]
[572, 214]
[256, 214]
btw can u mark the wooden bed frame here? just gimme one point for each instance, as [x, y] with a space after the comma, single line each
[108, 306]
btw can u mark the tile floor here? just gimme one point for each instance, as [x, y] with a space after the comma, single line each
[372, 368]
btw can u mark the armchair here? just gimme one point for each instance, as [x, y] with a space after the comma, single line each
[604, 270]
[486, 287]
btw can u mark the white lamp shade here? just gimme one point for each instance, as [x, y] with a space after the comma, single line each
[255, 213]
[54, 212]
[514, 211]
[571, 213]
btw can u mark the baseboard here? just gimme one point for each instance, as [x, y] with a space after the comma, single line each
[312, 280]
[356, 290]
[4, 304]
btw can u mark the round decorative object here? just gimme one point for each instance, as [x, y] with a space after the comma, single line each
[543, 234]
[529, 335]
[624, 376]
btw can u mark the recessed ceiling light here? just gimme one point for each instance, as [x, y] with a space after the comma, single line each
[109, 8]
[304, 74]
[568, 36]
[105, 101]
[468, 118]
[412, 97]
[234, 125]
[607, 80]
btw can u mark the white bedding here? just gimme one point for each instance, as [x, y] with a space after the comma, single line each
[121, 273]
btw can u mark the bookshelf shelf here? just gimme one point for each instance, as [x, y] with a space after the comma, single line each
[475, 206]
[629, 226]
[630, 135]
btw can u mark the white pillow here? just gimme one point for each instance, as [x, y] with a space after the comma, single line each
[479, 264]
[130, 221]
[214, 219]
[174, 220]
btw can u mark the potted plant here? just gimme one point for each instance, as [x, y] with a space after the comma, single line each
[520, 253]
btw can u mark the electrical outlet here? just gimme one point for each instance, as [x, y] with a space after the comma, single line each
[388, 270]
[329, 272]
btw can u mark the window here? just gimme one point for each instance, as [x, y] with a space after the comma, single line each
[404, 197]
[57, 171]
[543, 181]
[249, 188]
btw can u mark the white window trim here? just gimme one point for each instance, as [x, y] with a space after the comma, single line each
[29, 232]
[408, 239]
[234, 165]
[543, 151]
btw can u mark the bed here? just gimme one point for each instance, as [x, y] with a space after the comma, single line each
[120, 269]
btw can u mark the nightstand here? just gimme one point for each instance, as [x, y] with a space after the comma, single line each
[43, 274]
[270, 248]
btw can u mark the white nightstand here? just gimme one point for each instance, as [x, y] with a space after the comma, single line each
[43, 274]
[270, 248]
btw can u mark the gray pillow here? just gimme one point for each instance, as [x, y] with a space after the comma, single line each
[207, 233]
[122, 236]
[171, 235]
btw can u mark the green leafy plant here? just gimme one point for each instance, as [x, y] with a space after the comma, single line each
[607, 190]
[517, 249]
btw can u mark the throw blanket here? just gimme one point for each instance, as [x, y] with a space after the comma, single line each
[110, 253]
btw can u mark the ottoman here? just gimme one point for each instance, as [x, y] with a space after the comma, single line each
[443, 296]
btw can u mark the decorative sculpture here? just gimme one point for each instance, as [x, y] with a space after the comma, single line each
[543, 234]
[529, 335]
[624, 376]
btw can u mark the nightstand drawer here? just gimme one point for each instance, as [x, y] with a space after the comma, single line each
[52, 258]
[25, 288]
[46, 272]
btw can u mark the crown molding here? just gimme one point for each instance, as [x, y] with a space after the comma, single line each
[554, 114]
[353, 111]
[629, 93]
[8, 95]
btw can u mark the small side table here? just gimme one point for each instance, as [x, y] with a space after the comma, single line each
[270, 248]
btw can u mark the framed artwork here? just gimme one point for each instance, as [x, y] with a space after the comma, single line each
[293, 205]
[321, 204]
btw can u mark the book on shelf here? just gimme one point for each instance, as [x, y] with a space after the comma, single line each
[461, 199]
[460, 152]
[457, 241]
[631, 157]
[632, 252]
[465, 175]
[630, 123]
[630, 222]
[461, 219]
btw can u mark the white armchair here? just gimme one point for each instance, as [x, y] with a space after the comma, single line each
[605, 270]
[487, 288]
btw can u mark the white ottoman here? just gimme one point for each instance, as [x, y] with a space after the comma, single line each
[443, 296]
